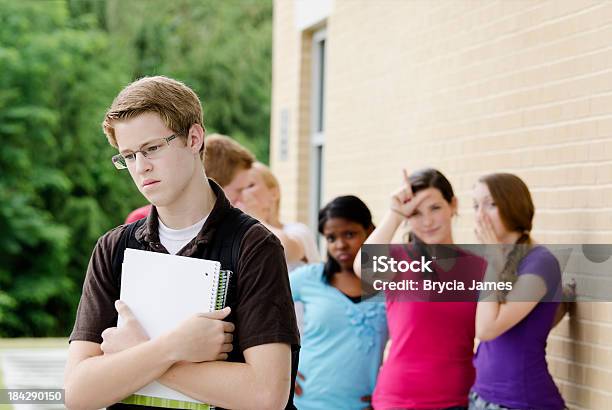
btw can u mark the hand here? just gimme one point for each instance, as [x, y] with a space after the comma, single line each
[496, 255]
[368, 400]
[204, 337]
[569, 291]
[485, 233]
[131, 333]
[569, 297]
[404, 201]
[298, 388]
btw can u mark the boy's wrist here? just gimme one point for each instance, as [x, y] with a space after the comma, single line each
[166, 348]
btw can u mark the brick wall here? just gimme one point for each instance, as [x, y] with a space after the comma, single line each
[469, 87]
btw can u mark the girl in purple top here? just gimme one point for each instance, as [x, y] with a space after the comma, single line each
[511, 368]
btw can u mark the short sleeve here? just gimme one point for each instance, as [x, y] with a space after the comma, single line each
[264, 310]
[542, 263]
[298, 279]
[96, 310]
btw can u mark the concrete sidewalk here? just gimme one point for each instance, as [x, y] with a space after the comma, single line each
[33, 364]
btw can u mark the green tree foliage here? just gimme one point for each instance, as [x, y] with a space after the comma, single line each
[61, 64]
[58, 188]
[222, 49]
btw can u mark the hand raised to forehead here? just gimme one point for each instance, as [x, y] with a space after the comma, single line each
[404, 201]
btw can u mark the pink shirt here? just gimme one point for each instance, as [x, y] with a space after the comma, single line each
[430, 360]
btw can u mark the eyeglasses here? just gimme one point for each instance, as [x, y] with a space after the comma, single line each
[151, 150]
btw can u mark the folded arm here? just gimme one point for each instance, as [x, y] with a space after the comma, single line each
[99, 375]
[263, 382]
[93, 380]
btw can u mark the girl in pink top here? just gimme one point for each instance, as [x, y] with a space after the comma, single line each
[429, 365]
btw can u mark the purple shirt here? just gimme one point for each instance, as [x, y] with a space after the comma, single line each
[511, 370]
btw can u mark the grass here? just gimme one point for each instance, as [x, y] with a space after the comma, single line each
[33, 343]
[28, 343]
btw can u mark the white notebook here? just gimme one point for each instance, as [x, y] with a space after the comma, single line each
[162, 290]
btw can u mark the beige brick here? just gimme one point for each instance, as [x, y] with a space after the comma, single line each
[471, 88]
[602, 312]
[600, 400]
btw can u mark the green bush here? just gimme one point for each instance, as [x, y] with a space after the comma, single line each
[61, 64]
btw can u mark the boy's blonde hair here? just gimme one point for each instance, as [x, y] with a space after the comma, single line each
[175, 103]
[224, 158]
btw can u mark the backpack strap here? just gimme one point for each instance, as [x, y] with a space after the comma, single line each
[127, 240]
[243, 227]
[231, 233]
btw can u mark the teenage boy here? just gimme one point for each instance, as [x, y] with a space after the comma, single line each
[225, 161]
[156, 124]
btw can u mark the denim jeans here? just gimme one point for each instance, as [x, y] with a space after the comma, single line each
[478, 403]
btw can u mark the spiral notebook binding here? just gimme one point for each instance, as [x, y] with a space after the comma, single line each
[224, 277]
[212, 305]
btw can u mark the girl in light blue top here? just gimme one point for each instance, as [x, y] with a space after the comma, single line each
[344, 336]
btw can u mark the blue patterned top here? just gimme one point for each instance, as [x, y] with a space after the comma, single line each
[342, 343]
